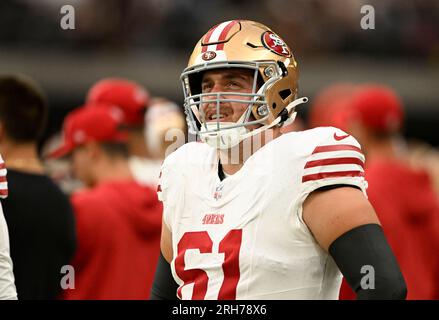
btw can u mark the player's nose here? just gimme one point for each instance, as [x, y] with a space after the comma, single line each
[210, 100]
[216, 88]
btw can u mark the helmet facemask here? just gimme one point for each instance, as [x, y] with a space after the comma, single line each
[224, 135]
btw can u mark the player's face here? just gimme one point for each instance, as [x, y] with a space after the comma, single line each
[226, 80]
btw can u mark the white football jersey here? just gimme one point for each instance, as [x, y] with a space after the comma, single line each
[244, 237]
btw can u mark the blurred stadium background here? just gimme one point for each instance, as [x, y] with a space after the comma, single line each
[150, 40]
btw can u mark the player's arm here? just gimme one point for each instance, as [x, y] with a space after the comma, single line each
[344, 223]
[164, 286]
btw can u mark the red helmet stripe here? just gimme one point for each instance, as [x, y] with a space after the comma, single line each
[207, 37]
[224, 33]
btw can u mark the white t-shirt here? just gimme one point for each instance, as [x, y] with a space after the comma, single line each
[244, 237]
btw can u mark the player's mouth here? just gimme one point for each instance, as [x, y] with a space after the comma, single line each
[223, 116]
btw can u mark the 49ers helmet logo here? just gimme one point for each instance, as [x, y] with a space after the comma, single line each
[274, 43]
[208, 55]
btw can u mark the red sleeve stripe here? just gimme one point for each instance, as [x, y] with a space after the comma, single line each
[2, 166]
[336, 147]
[337, 174]
[3, 179]
[334, 161]
[3, 192]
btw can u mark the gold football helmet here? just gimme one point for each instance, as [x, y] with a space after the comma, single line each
[249, 45]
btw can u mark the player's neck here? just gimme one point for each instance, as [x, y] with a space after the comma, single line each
[231, 164]
[22, 157]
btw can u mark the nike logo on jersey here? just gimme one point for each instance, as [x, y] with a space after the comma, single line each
[338, 138]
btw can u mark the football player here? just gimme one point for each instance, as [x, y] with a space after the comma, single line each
[251, 213]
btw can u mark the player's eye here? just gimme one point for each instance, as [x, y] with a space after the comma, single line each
[206, 87]
[233, 85]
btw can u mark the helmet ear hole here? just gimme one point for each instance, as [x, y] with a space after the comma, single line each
[284, 94]
[283, 68]
[274, 105]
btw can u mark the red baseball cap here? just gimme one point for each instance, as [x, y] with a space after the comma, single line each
[127, 95]
[378, 107]
[87, 124]
[330, 105]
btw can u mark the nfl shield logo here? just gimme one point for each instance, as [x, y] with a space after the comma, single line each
[218, 192]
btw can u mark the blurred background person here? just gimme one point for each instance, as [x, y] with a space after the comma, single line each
[165, 127]
[403, 196]
[330, 105]
[425, 157]
[130, 100]
[118, 219]
[146, 120]
[39, 215]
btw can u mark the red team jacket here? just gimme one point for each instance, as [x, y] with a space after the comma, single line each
[408, 209]
[118, 234]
